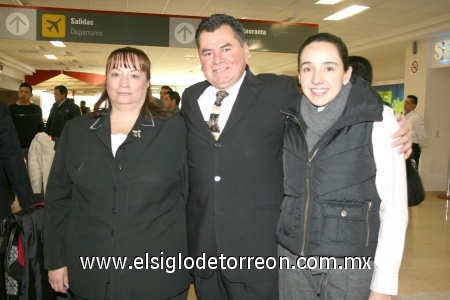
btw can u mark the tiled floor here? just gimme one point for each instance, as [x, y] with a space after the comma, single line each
[425, 271]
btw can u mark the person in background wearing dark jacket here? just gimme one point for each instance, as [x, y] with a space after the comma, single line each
[27, 117]
[84, 108]
[62, 111]
[344, 185]
[118, 188]
[12, 165]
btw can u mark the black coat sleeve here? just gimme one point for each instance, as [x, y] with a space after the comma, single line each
[12, 159]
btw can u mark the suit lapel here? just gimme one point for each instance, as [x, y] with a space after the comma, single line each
[102, 128]
[197, 117]
[246, 97]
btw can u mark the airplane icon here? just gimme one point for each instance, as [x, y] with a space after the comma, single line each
[53, 25]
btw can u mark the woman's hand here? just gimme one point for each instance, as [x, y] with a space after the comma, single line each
[377, 296]
[403, 136]
[59, 280]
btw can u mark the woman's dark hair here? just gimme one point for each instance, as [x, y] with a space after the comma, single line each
[129, 57]
[214, 22]
[329, 38]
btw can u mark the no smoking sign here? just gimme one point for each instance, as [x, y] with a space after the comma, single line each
[415, 66]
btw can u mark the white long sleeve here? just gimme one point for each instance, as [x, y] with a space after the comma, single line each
[420, 134]
[391, 187]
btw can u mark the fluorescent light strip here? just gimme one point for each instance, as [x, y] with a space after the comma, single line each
[57, 43]
[328, 2]
[50, 56]
[348, 12]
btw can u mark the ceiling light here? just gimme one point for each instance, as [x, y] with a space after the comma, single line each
[50, 56]
[328, 2]
[348, 12]
[57, 43]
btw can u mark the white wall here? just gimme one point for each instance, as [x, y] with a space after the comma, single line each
[387, 68]
[435, 155]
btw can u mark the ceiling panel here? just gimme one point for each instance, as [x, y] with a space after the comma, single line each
[179, 66]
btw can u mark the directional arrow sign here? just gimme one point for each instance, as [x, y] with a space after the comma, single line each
[184, 33]
[17, 23]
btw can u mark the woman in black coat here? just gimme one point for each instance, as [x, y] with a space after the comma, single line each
[116, 194]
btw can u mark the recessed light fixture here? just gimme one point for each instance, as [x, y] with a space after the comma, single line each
[57, 43]
[50, 56]
[347, 12]
[328, 2]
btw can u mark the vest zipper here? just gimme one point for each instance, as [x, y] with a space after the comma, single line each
[309, 164]
[368, 224]
[308, 190]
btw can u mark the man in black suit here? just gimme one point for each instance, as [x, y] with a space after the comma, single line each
[236, 181]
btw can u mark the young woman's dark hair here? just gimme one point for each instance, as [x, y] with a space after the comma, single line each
[329, 38]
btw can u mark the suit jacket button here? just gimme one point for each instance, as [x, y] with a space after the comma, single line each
[115, 188]
[217, 145]
[217, 178]
[113, 233]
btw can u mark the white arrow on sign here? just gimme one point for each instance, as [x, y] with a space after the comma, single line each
[184, 33]
[17, 23]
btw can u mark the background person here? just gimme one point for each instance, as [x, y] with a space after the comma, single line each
[344, 185]
[171, 101]
[84, 109]
[236, 181]
[27, 117]
[12, 165]
[420, 134]
[62, 111]
[117, 188]
[361, 67]
[164, 90]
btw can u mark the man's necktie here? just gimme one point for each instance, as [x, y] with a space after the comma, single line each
[213, 122]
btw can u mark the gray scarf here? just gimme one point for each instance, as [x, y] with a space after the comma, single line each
[319, 122]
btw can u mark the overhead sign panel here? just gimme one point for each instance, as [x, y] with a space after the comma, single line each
[103, 27]
[277, 37]
[100, 27]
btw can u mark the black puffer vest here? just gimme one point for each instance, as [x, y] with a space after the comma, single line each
[331, 204]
